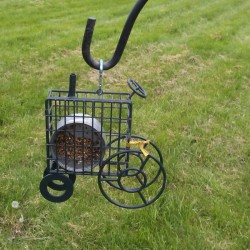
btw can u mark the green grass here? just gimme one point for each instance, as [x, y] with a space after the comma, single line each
[192, 57]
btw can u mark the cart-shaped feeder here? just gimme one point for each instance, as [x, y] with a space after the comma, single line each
[90, 133]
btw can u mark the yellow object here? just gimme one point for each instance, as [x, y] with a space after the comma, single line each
[141, 145]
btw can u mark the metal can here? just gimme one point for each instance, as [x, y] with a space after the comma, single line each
[78, 143]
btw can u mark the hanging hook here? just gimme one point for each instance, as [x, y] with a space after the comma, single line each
[121, 43]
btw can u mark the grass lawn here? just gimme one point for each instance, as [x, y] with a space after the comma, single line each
[192, 57]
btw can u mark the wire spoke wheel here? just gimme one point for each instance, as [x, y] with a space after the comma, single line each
[153, 149]
[139, 182]
[121, 167]
[54, 195]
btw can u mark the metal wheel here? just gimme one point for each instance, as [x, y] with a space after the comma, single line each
[137, 88]
[137, 181]
[58, 186]
[156, 152]
[52, 196]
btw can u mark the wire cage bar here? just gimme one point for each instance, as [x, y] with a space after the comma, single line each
[80, 130]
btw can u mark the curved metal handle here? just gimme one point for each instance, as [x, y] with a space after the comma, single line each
[121, 43]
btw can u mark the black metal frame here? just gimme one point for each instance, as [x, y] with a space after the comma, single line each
[89, 133]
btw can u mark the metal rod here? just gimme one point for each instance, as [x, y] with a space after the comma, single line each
[72, 85]
[121, 43]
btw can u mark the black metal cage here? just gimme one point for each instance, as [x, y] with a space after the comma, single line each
[80, 130]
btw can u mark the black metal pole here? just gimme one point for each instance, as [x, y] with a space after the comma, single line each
[121, 43]
[72, 85]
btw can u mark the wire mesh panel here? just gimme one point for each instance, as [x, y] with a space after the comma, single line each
[80, 130]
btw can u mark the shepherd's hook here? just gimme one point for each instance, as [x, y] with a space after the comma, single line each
[121, 43]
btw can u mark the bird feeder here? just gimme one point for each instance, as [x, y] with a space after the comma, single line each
[89, 133]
